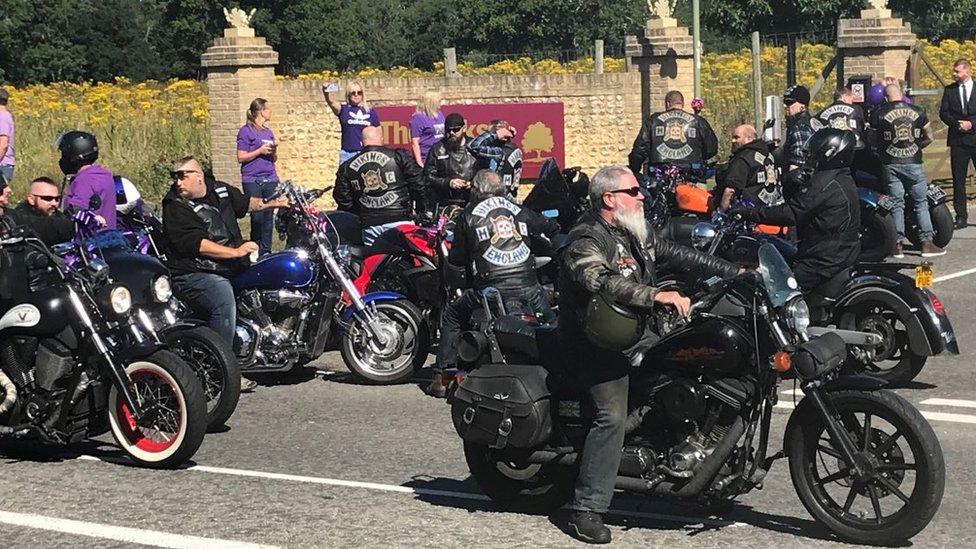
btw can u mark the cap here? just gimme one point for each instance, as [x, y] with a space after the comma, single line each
[797, 94]
[454, 120]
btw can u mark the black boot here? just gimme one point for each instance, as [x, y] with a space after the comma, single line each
[588, 527]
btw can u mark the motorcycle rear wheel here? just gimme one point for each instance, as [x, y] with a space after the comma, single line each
[897, 364]
[878, 235]
[174, 428]
[216, 366]
[518, 486]
[942, 225]
[398, 364]
[900, 447]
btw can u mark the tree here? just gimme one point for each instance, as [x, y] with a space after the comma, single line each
[538, 139]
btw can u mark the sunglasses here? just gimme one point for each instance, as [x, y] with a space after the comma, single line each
[47, 198]
[455, 130]
[632, 191]
[180, 174]
[355, 93]
[788, 102]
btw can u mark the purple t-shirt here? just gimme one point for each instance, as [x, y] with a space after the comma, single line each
[7, 128]
[250, 138]
[352, 120]
[93, 181]
[429, 130]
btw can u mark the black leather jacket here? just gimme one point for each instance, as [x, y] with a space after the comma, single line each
[496, 238]
[380, 185]
[443, 165]
[601, 258]
[673, 137]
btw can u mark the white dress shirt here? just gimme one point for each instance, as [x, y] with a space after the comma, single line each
[965, 93]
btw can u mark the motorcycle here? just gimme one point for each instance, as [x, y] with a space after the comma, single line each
[76, 362]
[878, 236]
[135, 261]
[908, 319]
[862, 459]
[294, 304]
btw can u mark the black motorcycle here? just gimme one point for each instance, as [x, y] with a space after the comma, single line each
[76, 362]
[908, 319]
[863, 461]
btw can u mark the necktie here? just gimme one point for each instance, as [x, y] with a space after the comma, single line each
[965, 98]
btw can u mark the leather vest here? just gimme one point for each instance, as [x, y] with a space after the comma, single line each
[510, 168]
[458, 163]
[222, 228]
[763, 184]
[501, 243]
[844, 117]
[379, 183]
[900, 133]
[675, 138]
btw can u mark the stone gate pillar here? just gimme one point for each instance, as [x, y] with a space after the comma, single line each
[664, 57]
[239, 67]
[876, 44]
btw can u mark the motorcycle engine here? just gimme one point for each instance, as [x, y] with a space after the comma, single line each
[271, 318]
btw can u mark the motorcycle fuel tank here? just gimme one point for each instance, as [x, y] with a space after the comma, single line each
[285, 269]
[711, 345]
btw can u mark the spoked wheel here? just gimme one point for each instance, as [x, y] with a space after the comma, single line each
[515, 484]
[397, 354]
[904, 472]
[214, 362]
[175, 412]
[892, 360]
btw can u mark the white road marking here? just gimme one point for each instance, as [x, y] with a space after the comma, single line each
[953, 275]
[950, 402]
[418, 491]
[934, 416]
[121, 533]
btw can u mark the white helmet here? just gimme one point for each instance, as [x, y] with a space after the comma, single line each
[127, 196]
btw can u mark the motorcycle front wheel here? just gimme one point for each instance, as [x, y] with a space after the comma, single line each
[516, 485]
[402, 351]
[215, 364]
[175, 412]
[904, 478]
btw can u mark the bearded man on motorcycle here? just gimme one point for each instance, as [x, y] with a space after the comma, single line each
[822, 203]
[612, 256]
[205, 244]
[381, 185]
[673, 137]
[750, 173]
[494, 239]
[450, 166]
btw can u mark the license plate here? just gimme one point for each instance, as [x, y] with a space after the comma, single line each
[936, 194]
[924, 275]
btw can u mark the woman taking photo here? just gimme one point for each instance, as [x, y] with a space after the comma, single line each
[354, 115]
[257, 152]
[426, 126]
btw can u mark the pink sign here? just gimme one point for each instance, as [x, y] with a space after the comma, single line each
[540, 128]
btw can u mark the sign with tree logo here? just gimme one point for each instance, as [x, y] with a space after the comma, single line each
[541, 133]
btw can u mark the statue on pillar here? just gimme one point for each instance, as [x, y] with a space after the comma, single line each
[238, 18]
[878, 10]
[662, 14]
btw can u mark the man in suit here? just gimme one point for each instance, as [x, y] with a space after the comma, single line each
[958, 111]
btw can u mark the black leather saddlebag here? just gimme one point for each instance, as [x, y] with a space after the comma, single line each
[502, 405]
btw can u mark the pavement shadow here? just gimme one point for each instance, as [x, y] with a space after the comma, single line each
[41, 452]
[294, 376]
[421, 378]
[629, 511]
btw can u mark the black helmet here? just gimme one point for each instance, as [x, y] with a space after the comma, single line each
[831, 148]
[77, 149]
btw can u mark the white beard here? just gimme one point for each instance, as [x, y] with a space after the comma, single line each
[633, 222]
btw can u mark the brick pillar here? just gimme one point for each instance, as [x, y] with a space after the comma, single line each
[875, 44]
[240, 67]
[664, 57]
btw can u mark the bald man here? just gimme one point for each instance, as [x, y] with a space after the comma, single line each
[384, 187]
[40, 212]
[749, 173]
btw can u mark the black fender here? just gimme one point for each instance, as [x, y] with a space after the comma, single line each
[891, 289]
[133, 351]
[853, 382]
[181, 324]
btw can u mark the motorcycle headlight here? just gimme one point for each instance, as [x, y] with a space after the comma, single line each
[162, 291]
[798, 315]
[116, 300]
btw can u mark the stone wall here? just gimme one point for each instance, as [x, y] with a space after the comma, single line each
[602, 114]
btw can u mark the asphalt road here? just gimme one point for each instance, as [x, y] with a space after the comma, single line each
[318, 461]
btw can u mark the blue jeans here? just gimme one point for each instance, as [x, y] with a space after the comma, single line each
[600, 459]
[262, 223]
[211, 297]
[7, 171]
[346, 155]
[371, 233]
[910, 176]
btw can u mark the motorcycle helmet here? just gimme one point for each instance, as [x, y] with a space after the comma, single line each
[78, 149]
[127, 196]
[876, 94]
[612, 326]
[831, 148]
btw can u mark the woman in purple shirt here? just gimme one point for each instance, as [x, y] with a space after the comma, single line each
[257, 151]
[426, 126]
[354, 115]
